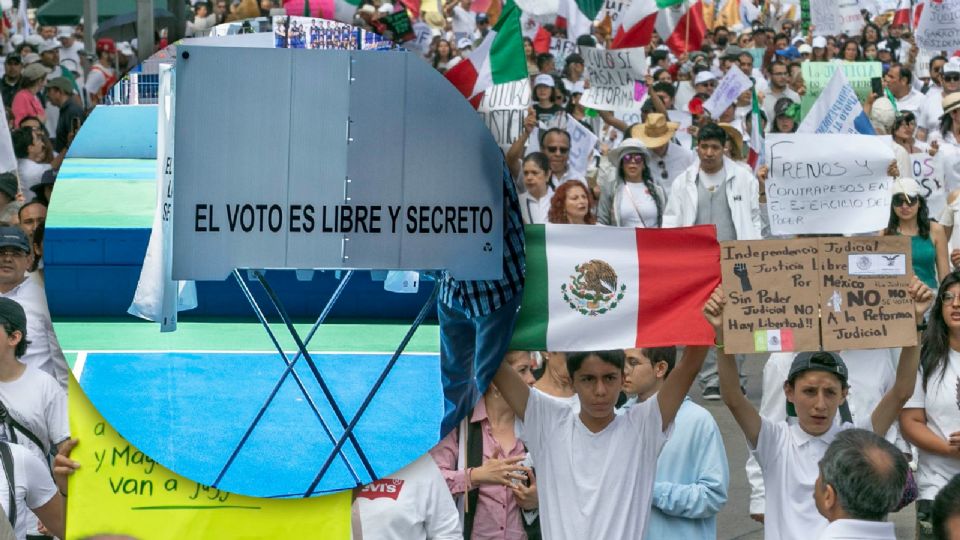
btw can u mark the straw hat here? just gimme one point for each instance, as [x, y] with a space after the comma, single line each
[951, 102]
[628, 146]
[735, 138]
[656, 131]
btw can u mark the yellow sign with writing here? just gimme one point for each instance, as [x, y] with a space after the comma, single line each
[119, 490]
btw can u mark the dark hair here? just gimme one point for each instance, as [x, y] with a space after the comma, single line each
[22, 139]
[36, 241]
[923, 220]
[436, 52]
[21, 348]
[540, 160]
[647, 182]
[712, 132]
[575, 360]
[866, 471]
[533, 53]
[749, 118]
[905, 72]
[855, 44]
[543, 134]
[863, 33]
[558, 210]
[667, 355]
[903, 118]
[946, 124]
[936, 339]
[945, 506]
[666, 88]
[31, 203]
[543, 59]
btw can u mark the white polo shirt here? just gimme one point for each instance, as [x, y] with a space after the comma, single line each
[533, 210]
[855, 529]
[789, 457]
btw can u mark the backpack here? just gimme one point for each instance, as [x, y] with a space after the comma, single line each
[6, 458]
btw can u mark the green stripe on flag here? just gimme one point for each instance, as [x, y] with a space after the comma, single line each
[590, 8]
[507, 61]
[530, 332]
[662, 4]
[760, 340]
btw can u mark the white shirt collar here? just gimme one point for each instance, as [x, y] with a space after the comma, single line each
[850, 529]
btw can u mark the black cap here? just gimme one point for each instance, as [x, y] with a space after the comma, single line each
[12, 312]
[48, 178]
[820, 361]
[482, 17]
[9, 185]
[14, 237]
[13, 59]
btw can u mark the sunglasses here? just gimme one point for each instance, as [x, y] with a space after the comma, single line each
[953, 77]
[558, 149]
[663, 169]
[900, 200]
[633, 158]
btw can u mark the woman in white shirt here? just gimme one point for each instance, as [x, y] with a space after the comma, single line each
[633, 199]
[931, 419]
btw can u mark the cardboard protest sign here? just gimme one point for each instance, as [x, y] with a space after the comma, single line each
[827, 183]
[772, 295]
[939, 26]
[825, 16]
[612, 75]
[731, 86]
[560, 49]
[503, 108]
[926, 169]
[121, 490]
[864, 293]
[817, 76]
[805, 294]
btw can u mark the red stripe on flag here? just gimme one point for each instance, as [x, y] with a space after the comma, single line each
[541, 41]
[638, 36]
[675, 284]
[685, 39]
[464, 76]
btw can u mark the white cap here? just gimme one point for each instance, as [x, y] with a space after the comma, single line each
[704, 76]
[34, 39]
[805, 49]
[464, 43]
[31, 58]
[951, 67]
[124, 48]
[907, 186]
[49, 45]
[65, 31]
[386, 8]
[576, 88]
[543, 79]
[882, 46]
[798, 39]
[819, 42]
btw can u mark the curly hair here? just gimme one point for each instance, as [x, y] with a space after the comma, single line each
[558, 211]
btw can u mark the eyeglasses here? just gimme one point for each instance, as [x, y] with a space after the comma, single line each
[633, 158]
[948, 297]
[558, 149]
[15, 253]
[900, 200]
[953, 77]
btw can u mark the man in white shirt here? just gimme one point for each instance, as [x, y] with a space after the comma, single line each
[33, 490]
[899, 80]
[464, 22]
[862, 477]
[588, 485]
[928, 121]
[779, 78]
[412, 504]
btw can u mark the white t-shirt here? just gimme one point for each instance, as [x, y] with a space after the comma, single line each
[712, 180]
[34, 488]
[38, 403]
[943, 418]
[587, 481]
[848, 529]
[412, 504]
[665, 169]
[464, 22]
[533, 210]
[788, 457]
[912, 102]
[637, 206]
[30, 174]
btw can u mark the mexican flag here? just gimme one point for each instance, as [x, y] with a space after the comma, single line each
[594, 288]
[498, 59]
[756, 158]
[578, 16]
[678, 22]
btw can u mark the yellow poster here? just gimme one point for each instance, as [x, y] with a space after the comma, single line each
[119, 490]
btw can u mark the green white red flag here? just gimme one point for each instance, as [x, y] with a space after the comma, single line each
[498, 59]
[598, 288]
[678, 22]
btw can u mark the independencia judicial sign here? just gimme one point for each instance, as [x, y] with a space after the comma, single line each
[325, 166]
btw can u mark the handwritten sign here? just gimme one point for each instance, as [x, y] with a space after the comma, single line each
[827, 184]
[560, 49]
[863, 287]
[851, 20]
[614, 9]
[772, 295]
[503, 108]
[817, 76]
[733, 83]
[825, 16]
[583, 142]
[810, 293]
[424, 37]
[926, 169]
[612, 75]
[121, 490]
[939, 26]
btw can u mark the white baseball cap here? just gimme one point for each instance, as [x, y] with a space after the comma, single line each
[819, 42]
[543, 79]
[703, 77]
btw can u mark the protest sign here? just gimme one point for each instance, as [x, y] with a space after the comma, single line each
[613, 9]
[503, 108]
[926, 169]
[825, 16]
[837, 110]
[399, 24]
[121, 490]
[939, 26]
[582, 142]
[612, 75]
[827, 184]
[731, 86]
[817, 76]
[922, 63]
[685, 120]
[424, 37]
[851, 20]
[865, 304]
[560, 49]
[772, 295]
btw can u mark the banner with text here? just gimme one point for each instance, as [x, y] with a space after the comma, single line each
[817, 76]
[503, 108]
[731, 86]
[825, 17]
[827, 184]
[121, 490]
[926, 169]
[809, 293]
[612, 74]
[939, 26]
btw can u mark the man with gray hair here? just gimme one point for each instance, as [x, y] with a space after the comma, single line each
[862, 477]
